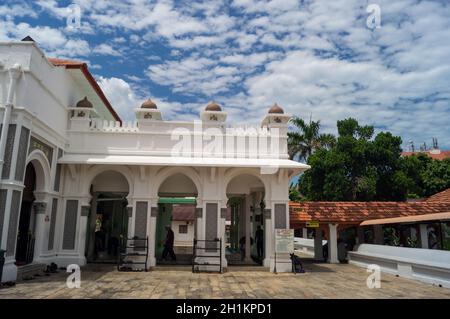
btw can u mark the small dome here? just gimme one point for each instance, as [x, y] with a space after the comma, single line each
[213, 106]
[149, 104]
[84, 103]
[276, 109]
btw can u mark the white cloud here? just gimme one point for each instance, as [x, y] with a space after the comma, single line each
[106, 49]
[312, 56]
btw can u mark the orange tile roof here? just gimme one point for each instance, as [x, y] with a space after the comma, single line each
[356, 212]
[443, 196]
[439, 156]
[71, 64]
[62, 62]
[183, 212]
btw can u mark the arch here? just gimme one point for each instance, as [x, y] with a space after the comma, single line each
[167, 172]
[42, 168]
[232, 173]
[96, 170]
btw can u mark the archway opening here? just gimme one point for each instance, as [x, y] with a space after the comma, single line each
[176, 221]
[108, 218]
[26, 230]
[244, 222]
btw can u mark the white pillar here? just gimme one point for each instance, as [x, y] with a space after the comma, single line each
[268, 236]
[39, 211]
[305, 232]
[424, 235]
[84, 214]
[151, 232]
[332, 244]
[318, 248]
[248, 233]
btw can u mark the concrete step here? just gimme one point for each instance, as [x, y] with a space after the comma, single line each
[251, 268]
[30, 270]
[172, 268]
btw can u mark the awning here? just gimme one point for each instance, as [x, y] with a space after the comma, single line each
[268, 164]
[408, 219]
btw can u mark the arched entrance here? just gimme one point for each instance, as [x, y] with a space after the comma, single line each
[25, 234]
[244, 223]
[176, 208]
[108, 218]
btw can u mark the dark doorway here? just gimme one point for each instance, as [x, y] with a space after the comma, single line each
[25, 234]
[109, 228]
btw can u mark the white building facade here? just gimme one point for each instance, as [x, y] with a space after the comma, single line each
[65, 156]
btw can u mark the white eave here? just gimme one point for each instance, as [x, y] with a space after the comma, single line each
[181, 161]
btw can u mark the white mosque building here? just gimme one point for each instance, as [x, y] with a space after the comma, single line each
[74, 178]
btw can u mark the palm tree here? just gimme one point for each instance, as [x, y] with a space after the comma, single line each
[307, 139]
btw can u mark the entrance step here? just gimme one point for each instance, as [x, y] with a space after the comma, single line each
[232, 268]
[172, 268]
[30, 270]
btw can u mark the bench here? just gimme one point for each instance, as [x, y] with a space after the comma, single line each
[427, 265]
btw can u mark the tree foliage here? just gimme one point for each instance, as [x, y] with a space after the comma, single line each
[361, 167]
[306, 139]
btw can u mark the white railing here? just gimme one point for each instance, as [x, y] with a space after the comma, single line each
[428, 265]
[113, 126]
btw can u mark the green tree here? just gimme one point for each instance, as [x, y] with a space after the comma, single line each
[307, 139]
[357, 167]
[436, 177]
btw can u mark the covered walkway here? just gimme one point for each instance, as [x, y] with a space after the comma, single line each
[348, 222]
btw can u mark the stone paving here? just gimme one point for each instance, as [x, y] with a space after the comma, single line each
[319, 281]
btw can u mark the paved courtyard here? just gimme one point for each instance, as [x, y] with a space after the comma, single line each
[319, 281]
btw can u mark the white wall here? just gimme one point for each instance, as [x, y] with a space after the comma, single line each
[110, 181]
[183, 239]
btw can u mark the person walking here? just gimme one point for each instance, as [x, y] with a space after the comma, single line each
[168, 245]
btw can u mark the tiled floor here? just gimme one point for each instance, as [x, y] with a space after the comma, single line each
[319, 281]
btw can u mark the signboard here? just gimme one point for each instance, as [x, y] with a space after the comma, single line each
[284, 241]
[312, 224]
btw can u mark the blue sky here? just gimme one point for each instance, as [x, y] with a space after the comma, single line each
[314, 58]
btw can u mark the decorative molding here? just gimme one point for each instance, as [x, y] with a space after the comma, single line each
[9, 148]
[22, 154]
[36, 144]
[70, 224]
[39, 207]
[85, 209]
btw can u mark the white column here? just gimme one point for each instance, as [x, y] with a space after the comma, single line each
[247, 228]
[268, 236]
[151, 231]
[424, 235]
[40, 212]
[318, 248]
[332, 244]
[305, 232]
[222, 233]
[84, 214]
